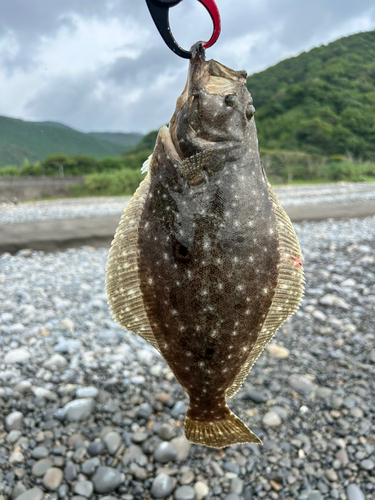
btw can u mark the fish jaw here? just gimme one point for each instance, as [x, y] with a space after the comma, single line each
[214, 108]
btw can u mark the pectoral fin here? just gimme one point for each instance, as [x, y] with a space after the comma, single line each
[192, 168]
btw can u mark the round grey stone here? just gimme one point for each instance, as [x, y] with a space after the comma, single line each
[301, 384]
[96, 448]
[76, 410]
[236, 485]
[232, 467]
[39, 452]
[182, 446]
[17, 356]
[166, 432]
[271, 419]
[106, 479]
[165, 452]
[256, 396]
[41, 466]
[367, 464]
[163, 485]
[331, 475]
[354, 493]
[87, 392]
[18, 490]
[187, 477]
[184, 493]
[314, 495]
[232, 496]
[56, 360]
[14, 421]
[53, 478]
[90, 466]
[144, 411]
[84, 488]
[71, 472]
[112, 440]
[32, 494]
[13, 436]
[178, 409]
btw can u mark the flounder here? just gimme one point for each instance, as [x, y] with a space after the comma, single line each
[205, 264]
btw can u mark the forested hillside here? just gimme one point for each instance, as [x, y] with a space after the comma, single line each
[322, 101]
[35, 141]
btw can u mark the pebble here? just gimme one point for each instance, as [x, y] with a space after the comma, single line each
[322, 443]
[187, 477]
[112, 440]
[17, 356]
[56, 360]
[367, 464]
[256, 396]
[314, 495]
[163, 485]
[87, 392]
[166, 432]
[201, 490]
[106, 479]
[89, 467]
[84, 488]
[354, 493]
[77, 410]
[14, 421]
[301, 384]
[41, 466]
[165, 452]
[32, 494]
[278, 351]
[184, 493]
[331, 475]
[39, 452]
[272, 419]
[52, 478]
[183, 446]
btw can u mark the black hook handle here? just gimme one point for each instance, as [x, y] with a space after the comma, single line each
[159, 10]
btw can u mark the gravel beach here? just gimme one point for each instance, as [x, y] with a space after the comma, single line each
[343, 193]
[90, 411]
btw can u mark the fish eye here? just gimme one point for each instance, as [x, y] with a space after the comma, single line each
[183, 251]
[250, 110]
[230, 100]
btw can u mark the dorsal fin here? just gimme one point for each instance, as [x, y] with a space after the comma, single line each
[288, 293]
[125, 298]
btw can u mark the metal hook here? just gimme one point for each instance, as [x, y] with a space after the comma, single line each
[159, 10]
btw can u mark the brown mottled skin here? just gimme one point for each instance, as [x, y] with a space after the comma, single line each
[208, 254]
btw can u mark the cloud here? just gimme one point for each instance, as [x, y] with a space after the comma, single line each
[101, 64]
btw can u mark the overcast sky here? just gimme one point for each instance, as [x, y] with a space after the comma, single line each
[101, 65]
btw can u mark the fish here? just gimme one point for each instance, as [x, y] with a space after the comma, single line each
[205, 264]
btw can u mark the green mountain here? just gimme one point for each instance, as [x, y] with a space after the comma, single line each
[34, 141]
[322, 101]
[127, 141]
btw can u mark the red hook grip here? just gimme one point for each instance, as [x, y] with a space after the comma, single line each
[215, 16]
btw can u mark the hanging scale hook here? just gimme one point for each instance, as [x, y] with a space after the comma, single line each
[159, 10]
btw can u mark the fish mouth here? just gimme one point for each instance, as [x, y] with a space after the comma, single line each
[204, 78]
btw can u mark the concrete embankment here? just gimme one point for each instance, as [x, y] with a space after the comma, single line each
[36, 188]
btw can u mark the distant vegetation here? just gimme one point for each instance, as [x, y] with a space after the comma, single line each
[33, 142]
[320, 102]
[315, 120]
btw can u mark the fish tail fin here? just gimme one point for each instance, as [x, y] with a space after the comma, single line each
[219, 433]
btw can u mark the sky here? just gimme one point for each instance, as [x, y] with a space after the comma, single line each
[101, 65]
